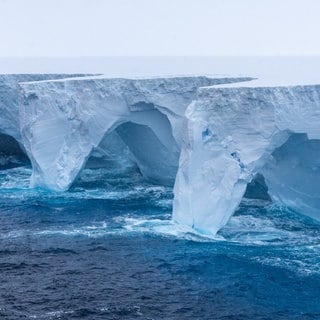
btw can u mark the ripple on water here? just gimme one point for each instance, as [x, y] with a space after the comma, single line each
[108, 249]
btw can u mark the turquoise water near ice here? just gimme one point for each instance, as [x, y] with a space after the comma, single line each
[107, 249]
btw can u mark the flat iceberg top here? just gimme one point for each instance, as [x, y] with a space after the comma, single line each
[270, 71]
[266, 82]
[171, 78]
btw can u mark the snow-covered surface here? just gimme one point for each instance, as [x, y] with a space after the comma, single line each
[269, 83]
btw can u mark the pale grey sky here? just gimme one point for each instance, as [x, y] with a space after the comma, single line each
[75, 28]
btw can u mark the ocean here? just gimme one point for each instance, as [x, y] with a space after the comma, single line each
[108, 249]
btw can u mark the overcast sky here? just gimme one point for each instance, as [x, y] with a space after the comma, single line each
[76, 28]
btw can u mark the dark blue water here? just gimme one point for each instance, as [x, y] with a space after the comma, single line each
[108, 250]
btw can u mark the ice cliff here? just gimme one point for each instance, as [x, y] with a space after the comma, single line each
[234, 133]
[9, 99]
[64, 121]
[209, 136]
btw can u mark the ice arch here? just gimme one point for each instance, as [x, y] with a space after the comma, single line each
[234, 133]
[147, 134]
[146, 140]
[62, 121]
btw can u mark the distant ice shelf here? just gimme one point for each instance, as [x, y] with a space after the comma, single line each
[209, 136]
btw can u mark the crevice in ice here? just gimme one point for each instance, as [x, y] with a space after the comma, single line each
[257, 188]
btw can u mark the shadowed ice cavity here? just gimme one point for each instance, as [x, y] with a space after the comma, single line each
[257, 188]
[157, 161]
[292, 174]
[148, 149]
[11, 153]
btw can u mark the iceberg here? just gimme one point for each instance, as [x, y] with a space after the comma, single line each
[217, 139]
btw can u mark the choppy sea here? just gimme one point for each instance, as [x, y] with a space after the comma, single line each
[107, 249]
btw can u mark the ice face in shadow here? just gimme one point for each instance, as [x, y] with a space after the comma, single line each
[234, 133]
[63, 121]
[11, 154]
[157, 155]
[111, 153]
[293, 174]
[257, 188]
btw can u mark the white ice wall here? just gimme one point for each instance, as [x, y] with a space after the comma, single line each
[9, 99]
[226, 135]
[62, 121]
[230, 135]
